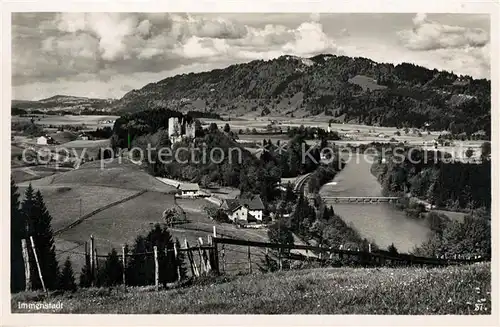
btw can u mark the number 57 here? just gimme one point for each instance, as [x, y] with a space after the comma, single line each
[479, 307]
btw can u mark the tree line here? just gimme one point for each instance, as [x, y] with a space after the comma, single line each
[449, 238]
[450, 185]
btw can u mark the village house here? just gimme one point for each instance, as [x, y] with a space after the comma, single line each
[44, 140]
[248, 209]
[83, 137]
[189, 189]
[479, 135]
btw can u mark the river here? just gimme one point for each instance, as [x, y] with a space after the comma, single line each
[381, 223]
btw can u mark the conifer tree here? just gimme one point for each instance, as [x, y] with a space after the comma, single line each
[111, 273]
[17, 232]
[67, 278]
[86, 274]
[140, 270]
[39, 226]
[27, 208]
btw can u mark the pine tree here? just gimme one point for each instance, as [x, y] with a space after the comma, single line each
[86, 274]
[392, 249]
[27, 208]
[39, 226]
[112, 272]
[17, 232]
[140, 270]
[67, 278]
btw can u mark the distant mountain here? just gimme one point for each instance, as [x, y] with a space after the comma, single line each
[64, 102]
[346, 89]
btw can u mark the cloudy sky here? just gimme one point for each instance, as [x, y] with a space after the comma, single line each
[108, 54]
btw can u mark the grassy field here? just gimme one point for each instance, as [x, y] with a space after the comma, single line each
[64, 202]
[122, 223]
[452, 290]
[91, 122]
[125, 175]
[90, 188]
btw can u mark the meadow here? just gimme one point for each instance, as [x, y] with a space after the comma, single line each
[90, 121]
[413, 291]
[67, 203]
[125, 175]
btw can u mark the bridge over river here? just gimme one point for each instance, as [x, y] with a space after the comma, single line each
[361, 199]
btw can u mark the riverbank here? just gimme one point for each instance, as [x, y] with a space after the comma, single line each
[409, 206]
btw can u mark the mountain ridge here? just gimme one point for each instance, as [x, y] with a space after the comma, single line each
[347, 89]
[63, 103]
[357, 90]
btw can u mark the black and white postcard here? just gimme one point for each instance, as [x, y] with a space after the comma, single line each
[288, 161]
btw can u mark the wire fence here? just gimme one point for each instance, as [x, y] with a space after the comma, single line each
[221, 255]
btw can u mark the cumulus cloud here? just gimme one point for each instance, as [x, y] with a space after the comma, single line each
[429, 35]
[464, 50]
[65, 50]
[114, 38]
[419, 18]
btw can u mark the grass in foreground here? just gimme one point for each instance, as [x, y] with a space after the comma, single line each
[451, 290]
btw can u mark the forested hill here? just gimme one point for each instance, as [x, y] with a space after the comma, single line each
[59, 103]
[347, 89]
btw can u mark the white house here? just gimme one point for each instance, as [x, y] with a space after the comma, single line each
[249, 209]
[42, 140]
[84, 137]
[189, 189]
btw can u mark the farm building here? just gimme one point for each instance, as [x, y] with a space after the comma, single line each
[44, 140]
[189, 189]
[479, 134]
[84, 137]
[249, 209]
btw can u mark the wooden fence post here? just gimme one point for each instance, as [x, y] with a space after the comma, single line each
[27, 271]
[157, 270]
[320, 252]
[215, 255]
[211, 263]
[215, 232]
[124, 262]
[249, 261]
[176, 255]
[223, 258]
[194, 269]
[280, 262]
[96, 263]
[92, 279]
[37, 263]
[188, 254]
[203, 265]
